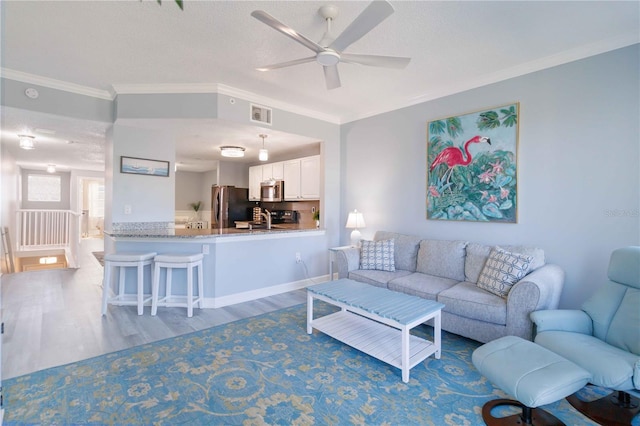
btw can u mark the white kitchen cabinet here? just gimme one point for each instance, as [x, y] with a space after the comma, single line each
[291, 173]
[310, 178]
[267, 171]
[255, 177]
[273, 171]
[302, 179]
[278, 171]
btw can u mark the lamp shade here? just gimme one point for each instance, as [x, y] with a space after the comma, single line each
[355, 220]
[263, 154]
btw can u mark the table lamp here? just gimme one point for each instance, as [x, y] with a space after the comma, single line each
[355, 221]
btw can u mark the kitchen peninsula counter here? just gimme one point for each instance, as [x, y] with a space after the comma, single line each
[239, 264]
[189, 234]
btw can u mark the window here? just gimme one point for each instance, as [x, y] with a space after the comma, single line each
[43, 188]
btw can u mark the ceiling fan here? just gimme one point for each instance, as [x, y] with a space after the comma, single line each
[329, 51]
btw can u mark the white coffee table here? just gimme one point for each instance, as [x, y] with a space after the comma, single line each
[377, 321]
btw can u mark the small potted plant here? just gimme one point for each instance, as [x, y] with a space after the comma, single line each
[316, 217]
[196, 207]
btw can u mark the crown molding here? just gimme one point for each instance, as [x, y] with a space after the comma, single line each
[52, 83]
[551, 61]
[164, 89]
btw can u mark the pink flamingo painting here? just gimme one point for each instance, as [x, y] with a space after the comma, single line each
[454, 156]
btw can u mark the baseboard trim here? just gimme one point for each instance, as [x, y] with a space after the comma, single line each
[247, 296]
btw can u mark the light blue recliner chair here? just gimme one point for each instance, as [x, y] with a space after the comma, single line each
[603, 337]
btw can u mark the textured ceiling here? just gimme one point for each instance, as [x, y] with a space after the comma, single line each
[453, 45]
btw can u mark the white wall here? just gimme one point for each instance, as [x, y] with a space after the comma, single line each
[210, 178]
[151, 197]
[234, 174]
[579, 175]
[189, 190]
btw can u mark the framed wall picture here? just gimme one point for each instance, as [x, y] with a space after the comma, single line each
[144, 166]
[472, 166]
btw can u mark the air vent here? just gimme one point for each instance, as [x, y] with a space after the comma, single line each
[260, 114]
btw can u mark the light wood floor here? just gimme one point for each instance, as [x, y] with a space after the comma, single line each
[53, 317]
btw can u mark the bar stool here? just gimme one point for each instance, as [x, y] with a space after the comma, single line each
[120, 261]
[170, 262]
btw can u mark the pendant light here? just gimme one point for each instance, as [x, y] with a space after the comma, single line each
[263, 154]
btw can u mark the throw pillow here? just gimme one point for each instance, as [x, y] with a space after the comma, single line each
[502, 270]
[377, 255]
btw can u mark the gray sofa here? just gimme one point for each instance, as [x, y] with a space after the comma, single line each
[447, 271]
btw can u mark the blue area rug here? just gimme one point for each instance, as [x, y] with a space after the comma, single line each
[262, 370]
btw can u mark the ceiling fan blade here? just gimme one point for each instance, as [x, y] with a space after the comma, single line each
[287, 64]
[373, 15]
[264, 17]
[375, 60]
[332, 77]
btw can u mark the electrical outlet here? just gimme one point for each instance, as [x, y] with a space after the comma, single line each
[298, 258]
[205, 249]
[127, 209]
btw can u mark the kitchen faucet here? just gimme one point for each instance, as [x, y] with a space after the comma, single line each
[267, 216]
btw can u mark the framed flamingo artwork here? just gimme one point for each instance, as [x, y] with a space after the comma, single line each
[472, 166]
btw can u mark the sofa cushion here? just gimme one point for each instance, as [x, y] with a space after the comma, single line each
[422, 285]
[469, 301]
[377, 278]
[502, 270]
[406, 248]
[377, 255]
[477, 255]
[536, 253]
[442, 258]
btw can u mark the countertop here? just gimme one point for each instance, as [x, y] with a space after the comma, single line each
[207, 233]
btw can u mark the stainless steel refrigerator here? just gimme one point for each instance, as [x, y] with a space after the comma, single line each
[229, 204]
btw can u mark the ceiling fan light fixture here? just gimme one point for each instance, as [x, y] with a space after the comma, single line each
[26, 141]
[232, 151]
[329, 51]
[328, 58]
[263, 154]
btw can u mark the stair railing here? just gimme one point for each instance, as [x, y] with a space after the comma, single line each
[46, 229]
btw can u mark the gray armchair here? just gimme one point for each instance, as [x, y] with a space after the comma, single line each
[603, 337]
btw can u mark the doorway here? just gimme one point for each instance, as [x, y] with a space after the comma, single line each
[92, 207]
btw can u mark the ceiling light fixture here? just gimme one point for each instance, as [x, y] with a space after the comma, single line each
[26, 141]
[51, 168]
[232, 151]
[264, 154]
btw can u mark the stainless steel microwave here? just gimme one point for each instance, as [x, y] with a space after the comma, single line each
[272, 191]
